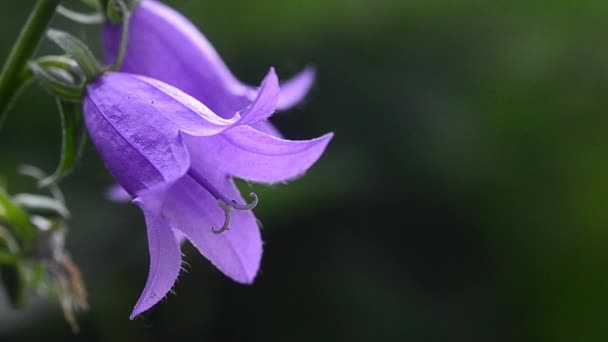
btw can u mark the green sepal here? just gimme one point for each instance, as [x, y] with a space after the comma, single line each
[77, 50]
[64, 63]
[57, 82]
[94, 18]
[73, 140]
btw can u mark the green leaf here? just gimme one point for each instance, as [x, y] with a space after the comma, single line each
[7, 242]
[39, 175]
[41, 205]
[78, 50]
[17, 221]
[73, 140]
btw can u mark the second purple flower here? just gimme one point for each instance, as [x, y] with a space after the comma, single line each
[163, 44]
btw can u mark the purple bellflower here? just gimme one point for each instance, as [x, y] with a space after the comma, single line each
[176, 157]
[174, 137]
[166, 46]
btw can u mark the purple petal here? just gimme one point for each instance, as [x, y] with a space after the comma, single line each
[135, 124]
[179, 236]
[265, 103]
[165, 260]
[140, 146]
[294, 90]
[184, 58]
[194, 118]
[192, 210]
[189, 114]
[117, 193]
[268, 128]
[252, 155]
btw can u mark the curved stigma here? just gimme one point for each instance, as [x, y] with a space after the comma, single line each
[246, 206]
[227, 208]
[227, 218]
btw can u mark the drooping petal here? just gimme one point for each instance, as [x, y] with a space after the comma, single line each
[192, 210]
[184, 58]
[252, 155]
[165, 259]
[116, 193]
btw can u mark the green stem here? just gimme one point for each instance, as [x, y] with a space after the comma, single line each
[11, 77]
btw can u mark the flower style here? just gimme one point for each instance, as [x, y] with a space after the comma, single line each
[176, 157]
[164, 45]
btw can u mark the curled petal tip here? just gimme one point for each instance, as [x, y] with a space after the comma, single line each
[294, 90]
[247, 276]
[134, 314]
[165, 261]
[265, 102]
[249, 279]
[271, 81]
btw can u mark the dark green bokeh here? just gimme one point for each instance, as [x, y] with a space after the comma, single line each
[463, 197]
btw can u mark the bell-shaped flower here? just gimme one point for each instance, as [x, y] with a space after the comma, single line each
[176, 157]
[164, 45]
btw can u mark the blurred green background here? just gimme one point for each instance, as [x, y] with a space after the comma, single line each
[464, 197]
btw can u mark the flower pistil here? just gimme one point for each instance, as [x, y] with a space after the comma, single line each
[224, 202]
